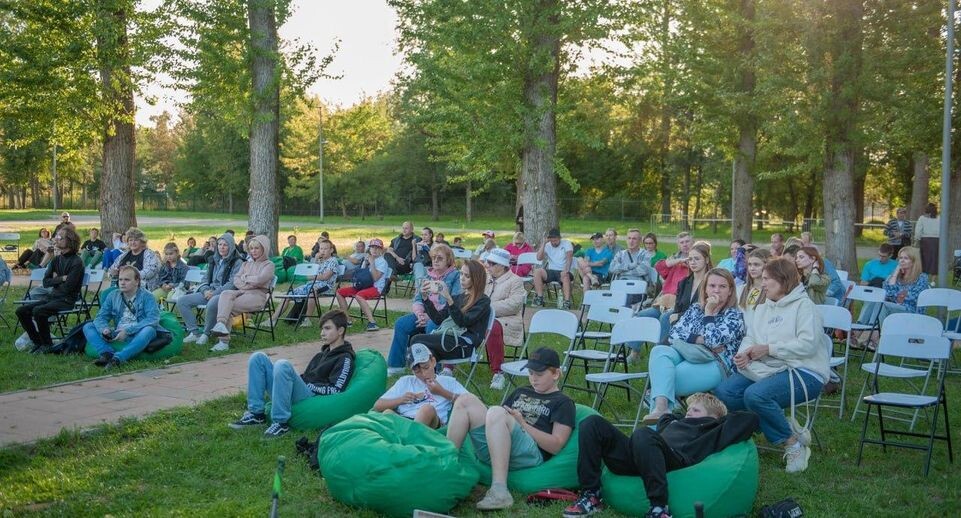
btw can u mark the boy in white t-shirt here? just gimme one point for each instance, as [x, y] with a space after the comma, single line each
[560, 255]
[424, 397]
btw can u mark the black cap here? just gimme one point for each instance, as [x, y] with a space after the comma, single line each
[543, 358]
[554, 232]
[597, 235]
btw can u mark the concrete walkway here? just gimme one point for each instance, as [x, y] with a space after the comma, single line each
[29, 415]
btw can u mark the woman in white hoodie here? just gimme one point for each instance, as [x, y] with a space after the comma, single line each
[784, 340]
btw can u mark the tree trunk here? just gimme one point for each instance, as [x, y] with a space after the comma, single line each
[920, 189]
[698, 189]
[540, 98]
[742, 187]
[263, 210]
[840, 125]
[117, 187]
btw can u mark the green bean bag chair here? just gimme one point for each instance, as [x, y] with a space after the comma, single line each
[726, 483]
[279, 270]
[558, 472]
[393, 466]
[167, 321]
[368, 383]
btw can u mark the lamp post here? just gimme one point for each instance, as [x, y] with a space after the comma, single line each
[943, 256]
[320, 144]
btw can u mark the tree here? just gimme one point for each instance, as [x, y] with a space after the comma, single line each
[265, 125]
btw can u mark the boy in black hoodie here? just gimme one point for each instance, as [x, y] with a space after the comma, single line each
[328, 372]
[675, 443]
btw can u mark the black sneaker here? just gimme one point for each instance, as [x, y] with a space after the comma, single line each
[248, 419]
[587, 504]
[276, 430]
[103, 360]
[114, 363]
[538, 302]
[567, 304]
[658, 512]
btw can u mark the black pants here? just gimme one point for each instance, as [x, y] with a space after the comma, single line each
[30, 256]
[444, 346]
[644, 453]
[397, 268]
[35, 319]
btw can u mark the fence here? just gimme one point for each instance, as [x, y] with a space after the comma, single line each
[671, 224]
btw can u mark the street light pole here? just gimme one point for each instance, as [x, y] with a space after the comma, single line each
[943, 256]
[320, 143]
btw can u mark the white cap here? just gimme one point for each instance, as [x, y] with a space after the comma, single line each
[420, 354]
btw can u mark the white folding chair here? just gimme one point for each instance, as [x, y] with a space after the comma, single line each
[544, 322]
[603, 316]
[476, 357]
[4, 293]
[644, 329]
[932, 348]
[843, 275]
[463, 255]
[529, 258]
[309, 271]
[872, 298]
[632, 287]
[836, 317]
[899, 324]
[196, 277]
[256, 317]
[948, 303]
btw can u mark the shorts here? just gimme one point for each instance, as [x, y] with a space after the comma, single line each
[366, 293]
[555, 275]
[524, 450]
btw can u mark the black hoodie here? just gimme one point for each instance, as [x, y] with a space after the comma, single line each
[695, 438]
[330, 370]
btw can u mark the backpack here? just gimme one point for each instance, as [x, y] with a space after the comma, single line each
[362, 279]
[73, 342]
[786, 508]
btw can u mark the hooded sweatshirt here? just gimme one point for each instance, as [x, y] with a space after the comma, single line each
[256, 276]
[221, 269]
[792, 330]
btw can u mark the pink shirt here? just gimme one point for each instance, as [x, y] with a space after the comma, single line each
[515, 250]
[672, 275]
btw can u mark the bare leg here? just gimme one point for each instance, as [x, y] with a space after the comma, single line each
[468, 413]
[566, 285]
[498, 427]
[427, 415]
[540, 275]
[365, 308]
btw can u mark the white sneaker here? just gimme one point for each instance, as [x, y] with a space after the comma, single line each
[796, 458]
[23, 342]
[305, 322]
[202, 339]
[220, 347]
[498, 381]
[191, 338]
[220, 330]
[395, 371]
[495, 499]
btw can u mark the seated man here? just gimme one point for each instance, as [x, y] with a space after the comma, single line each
[91, 251]
[130, 314]
[424, 397]
[532, 425]
[876, 270]
[293, 250]
[328, 372]
[675, 443]
[633, 263]
[401, 253]
[595, 262]
[560, 255]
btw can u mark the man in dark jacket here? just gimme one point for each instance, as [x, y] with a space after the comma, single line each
[64, 278]
[328, 372]
[676, 443]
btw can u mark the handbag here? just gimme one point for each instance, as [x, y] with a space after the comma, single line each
[786, 508]
[448, 326]
[697, 353]
[362, 279]
[175, 294]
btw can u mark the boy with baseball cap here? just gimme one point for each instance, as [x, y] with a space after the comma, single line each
[379, 272]
[533, 424]
[424, 397]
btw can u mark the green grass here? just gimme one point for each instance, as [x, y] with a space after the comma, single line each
[187, 462]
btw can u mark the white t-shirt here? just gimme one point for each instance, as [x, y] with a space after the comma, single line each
[380, 264]
[557, 255]
[411, 383]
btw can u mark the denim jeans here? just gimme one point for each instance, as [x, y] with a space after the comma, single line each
[767, 398]
[671, 375]
[133, 346]
[280, 380]
[404, 328]
[665, 319]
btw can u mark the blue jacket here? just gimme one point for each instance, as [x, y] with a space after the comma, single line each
[836, 289]
[145, 307]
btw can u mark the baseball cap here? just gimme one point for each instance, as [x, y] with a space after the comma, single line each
[419, 354]
[376, 242]
[597, 235]
[488, 233]
[499, 256]
[543, 358]
[554, 232]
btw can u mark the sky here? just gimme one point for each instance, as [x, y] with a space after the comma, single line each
[365, 62]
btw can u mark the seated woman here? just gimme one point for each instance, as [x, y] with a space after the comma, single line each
[203, 254]
[220, 276]
[417, 322]
[752, 293]
[293, 250]
[811, 266]
[462, 321]
[140, 257]
[507, 294]
[250, 290]
[714, 322]
[172, 272]
[64, 279]
[31, 257]
[595, 262]
[784, 339]
[191, 247]
[533, 424]
[92, 249]
[517, 247]
[134, 316]
[901, 291]
[650, 244]
[424, 397]
[422, 260]
[699, 263]
[324, 283]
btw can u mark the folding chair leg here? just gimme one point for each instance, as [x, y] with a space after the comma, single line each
[884, 439]
[947, 426]
[934, 430]
[864, 431]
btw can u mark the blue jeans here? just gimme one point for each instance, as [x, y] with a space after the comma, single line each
[767, 398]
[133, 346]
[279, 379]
[665, 319]
[404, 328]
[671, 375]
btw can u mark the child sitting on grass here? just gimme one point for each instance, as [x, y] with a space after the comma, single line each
[675, 443]
[424, 397]
[328, 373]
[532, 425]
